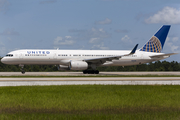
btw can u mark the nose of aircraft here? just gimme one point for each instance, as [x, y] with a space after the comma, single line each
[3, 60]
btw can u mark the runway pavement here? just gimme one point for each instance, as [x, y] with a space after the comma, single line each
[90, 81]
[29, 81]
[81, 74]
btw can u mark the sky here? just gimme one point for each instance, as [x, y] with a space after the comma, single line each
[87, 24]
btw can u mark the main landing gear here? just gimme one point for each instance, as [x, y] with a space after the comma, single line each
[22, 69]
[91, 72]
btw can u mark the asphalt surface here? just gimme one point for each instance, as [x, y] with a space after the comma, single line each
[92, 79]
[81, 74]
[15, 81]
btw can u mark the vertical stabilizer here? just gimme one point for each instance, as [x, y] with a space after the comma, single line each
[156, 43]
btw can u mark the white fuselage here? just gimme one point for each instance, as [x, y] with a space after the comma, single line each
[63, 57]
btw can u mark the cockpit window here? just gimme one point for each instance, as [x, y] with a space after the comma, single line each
[9, 55]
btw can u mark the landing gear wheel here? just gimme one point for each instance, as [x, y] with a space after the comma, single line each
[85, 71]
[91, 72]
[22, 68]
[96, 72]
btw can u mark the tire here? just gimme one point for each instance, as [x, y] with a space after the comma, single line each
[96, 72]
[23, 72]
[85, 71]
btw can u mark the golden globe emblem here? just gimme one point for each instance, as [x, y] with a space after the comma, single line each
[153, 45]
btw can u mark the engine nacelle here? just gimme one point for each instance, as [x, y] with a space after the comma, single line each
[62, 67]
[78, 65]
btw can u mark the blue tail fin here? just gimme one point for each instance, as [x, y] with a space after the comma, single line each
[156, 43]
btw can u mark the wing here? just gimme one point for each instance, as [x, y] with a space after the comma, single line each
[163, 55]
[104, 59]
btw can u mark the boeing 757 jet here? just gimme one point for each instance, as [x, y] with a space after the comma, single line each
[89, 60]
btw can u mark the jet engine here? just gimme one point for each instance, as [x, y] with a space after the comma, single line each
[63, 67]
[78, 65]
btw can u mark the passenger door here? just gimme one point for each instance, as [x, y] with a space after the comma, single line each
[20, 56]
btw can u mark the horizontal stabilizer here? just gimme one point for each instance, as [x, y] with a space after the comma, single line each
[163, 55]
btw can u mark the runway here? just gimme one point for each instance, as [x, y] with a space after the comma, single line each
[90, 81]
[81, 74]
[57, 78]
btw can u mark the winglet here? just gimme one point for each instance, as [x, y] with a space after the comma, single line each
[133, 50]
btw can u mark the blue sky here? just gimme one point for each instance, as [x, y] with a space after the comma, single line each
[87, 24]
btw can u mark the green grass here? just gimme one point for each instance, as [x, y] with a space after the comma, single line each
[90, 102]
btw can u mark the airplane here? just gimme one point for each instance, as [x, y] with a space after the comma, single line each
[89, 60]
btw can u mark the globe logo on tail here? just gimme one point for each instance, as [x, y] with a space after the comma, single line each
[153, 45]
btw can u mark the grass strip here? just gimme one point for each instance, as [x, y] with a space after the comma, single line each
[90, 102]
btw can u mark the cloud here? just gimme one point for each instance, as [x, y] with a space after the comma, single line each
[92, 35]
[167, 15]
[4, 4]
[94, 40]
[175, 39]
[174, 48]
[67, 40]
[126, 38]
[121, 31]
[104, 22]
[96, 35]
[76, 30]
[100, 46]
[172, 44]
[9, 32]
[89, 36]
[48, 1]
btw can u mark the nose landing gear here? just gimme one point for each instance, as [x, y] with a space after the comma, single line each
[23, 72]
[22, 69]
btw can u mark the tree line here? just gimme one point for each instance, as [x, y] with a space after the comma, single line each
[154, 66]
